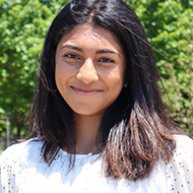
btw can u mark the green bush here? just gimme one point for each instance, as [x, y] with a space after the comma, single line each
[24, 23]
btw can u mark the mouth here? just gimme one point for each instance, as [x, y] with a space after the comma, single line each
[85, 91]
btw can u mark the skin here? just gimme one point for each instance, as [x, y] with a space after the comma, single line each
[89, 75]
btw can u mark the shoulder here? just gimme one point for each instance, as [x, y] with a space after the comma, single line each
[22, 151]
[183, 140]
[14, 161]
[179, 170]
[183, 153]
[184, 145]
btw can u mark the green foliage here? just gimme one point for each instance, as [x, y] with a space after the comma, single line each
[23, 26]
[24, 23]
[169, 25]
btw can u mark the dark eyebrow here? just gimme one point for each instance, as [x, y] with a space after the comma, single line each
[106, 51]
[72, 47]
[103, 51]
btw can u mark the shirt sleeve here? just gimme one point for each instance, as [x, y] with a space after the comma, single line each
[180, 169]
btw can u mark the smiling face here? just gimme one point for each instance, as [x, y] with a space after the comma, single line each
[89, 69]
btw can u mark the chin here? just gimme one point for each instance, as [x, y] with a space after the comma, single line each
[88, 112]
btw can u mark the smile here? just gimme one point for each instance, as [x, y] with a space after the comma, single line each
[85, 91]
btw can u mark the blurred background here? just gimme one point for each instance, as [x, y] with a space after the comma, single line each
[24, 24]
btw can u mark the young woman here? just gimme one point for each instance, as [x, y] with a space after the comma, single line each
[99, 124]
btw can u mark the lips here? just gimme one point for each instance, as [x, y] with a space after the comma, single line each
[85, 91]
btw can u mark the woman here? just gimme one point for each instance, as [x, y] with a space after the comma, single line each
[98, 121]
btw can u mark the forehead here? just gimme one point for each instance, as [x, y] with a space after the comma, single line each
[95, 35]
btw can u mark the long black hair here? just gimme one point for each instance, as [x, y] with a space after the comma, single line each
[135, 129]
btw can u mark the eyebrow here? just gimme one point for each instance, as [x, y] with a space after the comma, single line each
[106, 51]
[102, 51]
[72, 47]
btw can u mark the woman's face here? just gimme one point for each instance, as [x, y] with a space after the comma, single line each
[89, 69]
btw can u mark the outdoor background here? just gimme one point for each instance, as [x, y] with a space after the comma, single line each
[23, 26]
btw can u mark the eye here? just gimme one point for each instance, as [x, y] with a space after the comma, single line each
[71, 56]
[105, 60]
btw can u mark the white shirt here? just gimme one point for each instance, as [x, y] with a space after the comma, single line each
[22, 170]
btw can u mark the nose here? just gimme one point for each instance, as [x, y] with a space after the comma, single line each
[87, 72]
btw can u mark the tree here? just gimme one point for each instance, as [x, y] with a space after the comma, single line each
[169, 25]
[23, 26]
[24, 23]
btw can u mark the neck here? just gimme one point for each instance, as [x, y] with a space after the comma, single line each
[87, 133]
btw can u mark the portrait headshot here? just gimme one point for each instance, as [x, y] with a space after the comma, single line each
[98, 120]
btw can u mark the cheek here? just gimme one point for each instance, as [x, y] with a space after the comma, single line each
[63, 70]
[116, 77]
[62, 67]
[61, 76]
[58, 74]
[115, 83]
